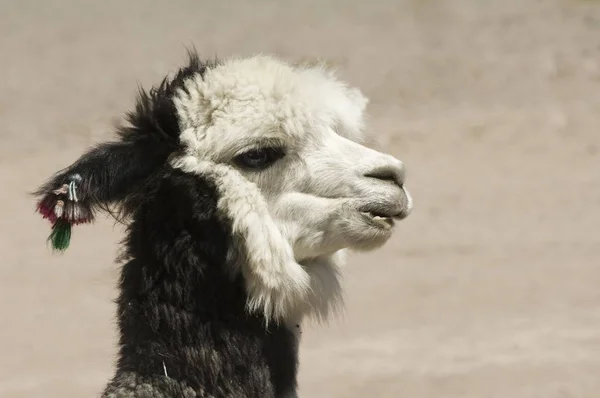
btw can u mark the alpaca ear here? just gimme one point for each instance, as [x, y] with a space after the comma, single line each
[103, 176]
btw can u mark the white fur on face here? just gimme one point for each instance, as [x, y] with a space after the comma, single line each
[295, 217]
[276, 283]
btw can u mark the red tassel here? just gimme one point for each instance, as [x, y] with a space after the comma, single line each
[46, 208]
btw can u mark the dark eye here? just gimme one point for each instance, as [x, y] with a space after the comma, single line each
[259, 158]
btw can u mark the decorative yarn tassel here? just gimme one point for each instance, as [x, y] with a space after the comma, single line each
[59, 208]
[63, 207]
[61, 235]
[46, 207]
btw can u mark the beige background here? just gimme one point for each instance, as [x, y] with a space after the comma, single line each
[490, 289]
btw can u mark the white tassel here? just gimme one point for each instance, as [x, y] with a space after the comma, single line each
[59, 208]
[76, 213]
[73, 192]
[62, 190]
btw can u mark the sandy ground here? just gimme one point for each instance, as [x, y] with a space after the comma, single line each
[490, 289]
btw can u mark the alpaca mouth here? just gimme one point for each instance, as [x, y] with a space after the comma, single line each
[379, 218]
[385, 216]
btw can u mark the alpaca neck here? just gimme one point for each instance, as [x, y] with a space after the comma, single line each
[200, 333]
[183, 315]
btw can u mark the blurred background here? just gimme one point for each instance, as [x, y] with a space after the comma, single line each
[491, 288]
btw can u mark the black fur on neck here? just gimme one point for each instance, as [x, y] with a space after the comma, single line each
[181, 311]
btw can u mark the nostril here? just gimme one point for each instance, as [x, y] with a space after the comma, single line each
[385, 174]
[391, 173]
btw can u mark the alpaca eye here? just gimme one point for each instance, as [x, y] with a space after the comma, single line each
[259, 158]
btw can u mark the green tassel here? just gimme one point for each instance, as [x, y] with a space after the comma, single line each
[61, 235]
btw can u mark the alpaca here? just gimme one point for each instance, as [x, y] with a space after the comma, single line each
[242, 183]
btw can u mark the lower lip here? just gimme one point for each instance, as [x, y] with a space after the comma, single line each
[384, 222]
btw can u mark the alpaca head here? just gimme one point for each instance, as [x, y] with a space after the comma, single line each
[292, 135]
[282, 144]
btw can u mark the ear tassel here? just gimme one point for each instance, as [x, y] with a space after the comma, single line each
[60, 237]
[63, 209]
